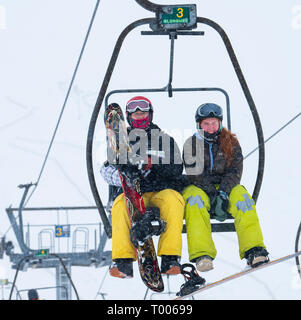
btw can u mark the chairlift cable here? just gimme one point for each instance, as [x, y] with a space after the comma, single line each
[67, 273]
[274, 134]
[66, 98]
[16, 274]
[102, 282]
[63, 107]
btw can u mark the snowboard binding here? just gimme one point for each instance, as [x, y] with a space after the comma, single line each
[192, 278]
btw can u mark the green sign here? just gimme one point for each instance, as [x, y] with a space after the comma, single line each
[177, 15]
[42, 253]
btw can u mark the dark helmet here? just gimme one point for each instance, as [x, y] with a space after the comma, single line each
[138, 103]
[209, 110]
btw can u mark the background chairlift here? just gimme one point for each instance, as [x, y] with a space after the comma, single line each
[167, 23]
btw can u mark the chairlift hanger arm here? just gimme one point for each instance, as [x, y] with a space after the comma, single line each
[149, 5]
[250, 101]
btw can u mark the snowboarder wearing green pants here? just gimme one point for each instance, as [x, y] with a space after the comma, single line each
[215, 191]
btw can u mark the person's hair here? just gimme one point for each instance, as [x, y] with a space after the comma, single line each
[228, 141]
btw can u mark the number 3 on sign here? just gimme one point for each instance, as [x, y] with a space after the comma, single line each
[58, 232]
[180, 13]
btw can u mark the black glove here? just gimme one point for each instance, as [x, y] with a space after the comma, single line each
[136, 167]
[150, 224]
[129, 170]
[219, 206]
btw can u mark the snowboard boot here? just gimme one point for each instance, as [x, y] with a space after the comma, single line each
[170, 265]
[122, 268]
[204, 263]
[256, 256]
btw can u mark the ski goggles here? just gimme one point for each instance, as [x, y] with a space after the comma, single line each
[141, 105]
[210, 109]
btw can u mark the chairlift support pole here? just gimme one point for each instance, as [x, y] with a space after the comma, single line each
[155, 26]
[19, 229]
[62, 262]
[172, 37]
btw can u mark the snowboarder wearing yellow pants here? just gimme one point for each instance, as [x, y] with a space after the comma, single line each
[171, 207]
[158, 175]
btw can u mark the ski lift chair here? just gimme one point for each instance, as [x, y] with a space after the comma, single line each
[114, 191]
[168, 23]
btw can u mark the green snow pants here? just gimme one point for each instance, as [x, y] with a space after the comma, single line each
[198, 226]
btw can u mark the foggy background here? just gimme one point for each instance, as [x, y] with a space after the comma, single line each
[40, 43]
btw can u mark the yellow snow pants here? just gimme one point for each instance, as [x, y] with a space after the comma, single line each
[198, 226]
[171, 205]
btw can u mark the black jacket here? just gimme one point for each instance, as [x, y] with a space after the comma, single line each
[167, 165]
[215, 169]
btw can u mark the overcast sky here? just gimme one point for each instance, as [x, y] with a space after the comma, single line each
[40, 43]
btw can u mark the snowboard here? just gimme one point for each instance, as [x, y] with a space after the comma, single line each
[236, 275]
[118, 144]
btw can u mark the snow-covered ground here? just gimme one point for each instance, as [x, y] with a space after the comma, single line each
[40, 45]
